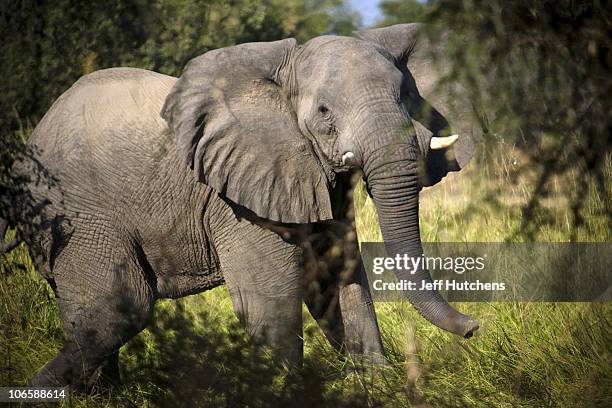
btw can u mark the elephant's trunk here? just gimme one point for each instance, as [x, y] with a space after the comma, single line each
[391, 173]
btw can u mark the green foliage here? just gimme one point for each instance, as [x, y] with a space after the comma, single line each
[402, 11]
[538, 74]
[47, 45]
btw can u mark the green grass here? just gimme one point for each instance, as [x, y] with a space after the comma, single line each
[525, 354]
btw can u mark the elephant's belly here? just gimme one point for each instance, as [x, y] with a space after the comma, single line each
[182, 259]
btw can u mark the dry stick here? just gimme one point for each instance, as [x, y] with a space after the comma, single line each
[413, 370]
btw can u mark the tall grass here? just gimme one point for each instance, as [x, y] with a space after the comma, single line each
[525, 354]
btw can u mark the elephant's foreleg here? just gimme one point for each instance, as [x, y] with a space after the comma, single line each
[361, 332]
[263, 276]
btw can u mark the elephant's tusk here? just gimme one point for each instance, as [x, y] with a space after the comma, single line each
[442, 142]
[348, 159]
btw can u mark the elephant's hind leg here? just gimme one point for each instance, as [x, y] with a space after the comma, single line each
[104, 300]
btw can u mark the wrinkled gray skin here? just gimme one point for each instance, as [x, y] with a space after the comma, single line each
[264, 127]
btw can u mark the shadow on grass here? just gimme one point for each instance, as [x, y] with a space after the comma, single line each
[189, 358]
[192, 354]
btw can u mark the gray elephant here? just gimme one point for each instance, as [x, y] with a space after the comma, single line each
[245, 172]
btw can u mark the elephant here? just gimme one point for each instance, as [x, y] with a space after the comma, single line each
[232, 174]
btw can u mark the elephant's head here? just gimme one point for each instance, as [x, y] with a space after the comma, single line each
[269, 125]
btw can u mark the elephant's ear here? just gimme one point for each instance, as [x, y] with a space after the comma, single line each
[432, 111]
[234, 125]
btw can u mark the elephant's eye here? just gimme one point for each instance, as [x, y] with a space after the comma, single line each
[323, 109]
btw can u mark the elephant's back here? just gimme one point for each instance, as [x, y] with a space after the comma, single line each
[105, 116]
[104, 133]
